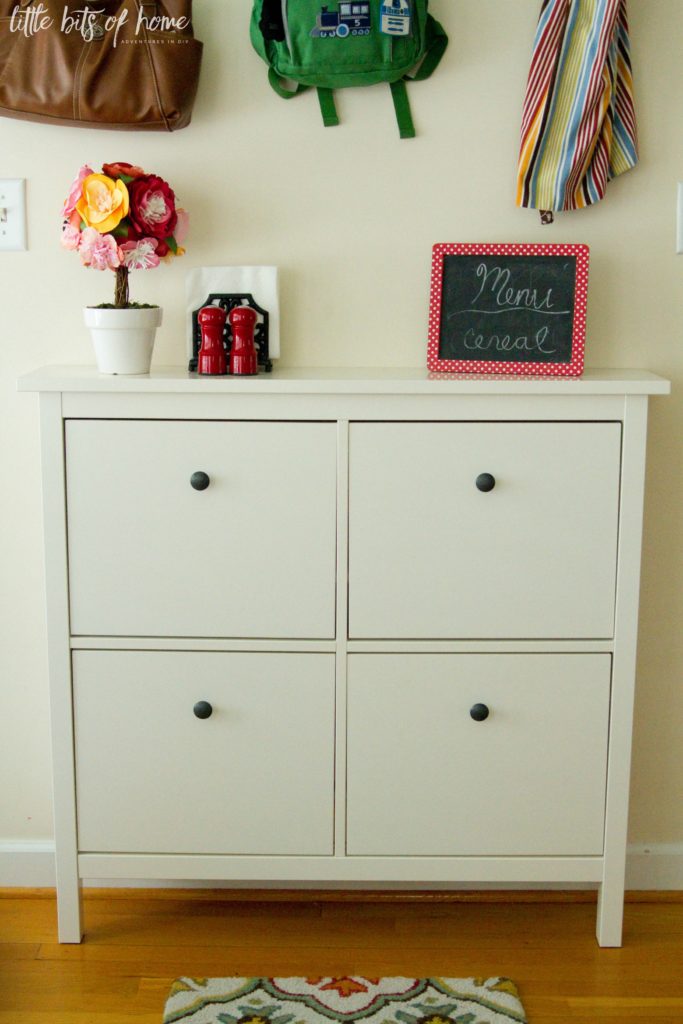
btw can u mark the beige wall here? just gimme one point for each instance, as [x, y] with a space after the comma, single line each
[350, 214]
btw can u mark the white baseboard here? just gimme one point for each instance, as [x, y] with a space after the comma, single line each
[30, 864]
[27, 863]
[655, 866]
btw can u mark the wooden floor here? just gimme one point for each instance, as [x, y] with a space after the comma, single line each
[137, 943]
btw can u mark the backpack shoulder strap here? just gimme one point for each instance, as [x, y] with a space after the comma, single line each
[328, 107]
[278, 85]
[436, 42]
[399, 94]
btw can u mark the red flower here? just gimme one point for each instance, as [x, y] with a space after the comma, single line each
[117, 169]
[152, 207]
[344, 986]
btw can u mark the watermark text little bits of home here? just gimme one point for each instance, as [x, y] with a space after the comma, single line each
[90, 22]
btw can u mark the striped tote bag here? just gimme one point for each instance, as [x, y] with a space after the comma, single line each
[578, 125]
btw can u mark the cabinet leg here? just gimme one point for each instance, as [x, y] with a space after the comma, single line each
[610, 914]
[69, 910]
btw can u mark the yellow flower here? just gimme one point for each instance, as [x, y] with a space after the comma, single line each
[103, 203]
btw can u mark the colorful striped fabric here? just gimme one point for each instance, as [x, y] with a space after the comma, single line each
[579, 125]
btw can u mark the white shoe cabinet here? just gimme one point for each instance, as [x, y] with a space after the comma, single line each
[342, 627]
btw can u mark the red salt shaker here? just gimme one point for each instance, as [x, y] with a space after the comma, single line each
[243, 359]
[212, 358]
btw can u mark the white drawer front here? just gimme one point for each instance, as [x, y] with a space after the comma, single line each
[425, 779]
[251, 556]
[257, 777]
[432, 556]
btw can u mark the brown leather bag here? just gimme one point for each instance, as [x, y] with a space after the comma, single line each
[132, 66]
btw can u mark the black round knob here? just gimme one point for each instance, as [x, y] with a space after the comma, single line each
[479, 712]
[200, 481]
[485, 482]
[203, 709]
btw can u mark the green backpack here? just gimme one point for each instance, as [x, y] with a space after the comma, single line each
[347, 42]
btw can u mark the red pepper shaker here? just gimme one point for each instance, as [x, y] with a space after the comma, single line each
[212, 358]
[243, 359]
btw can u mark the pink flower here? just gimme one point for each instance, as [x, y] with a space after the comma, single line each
[71, 237]
[140, 255]
[75, 191]
[99, 251]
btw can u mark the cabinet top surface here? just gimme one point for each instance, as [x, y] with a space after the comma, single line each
[335, 381]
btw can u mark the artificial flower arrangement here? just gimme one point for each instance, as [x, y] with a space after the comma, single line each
[122, 220]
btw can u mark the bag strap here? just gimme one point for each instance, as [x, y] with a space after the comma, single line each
[399, 93]
[436, 42]
[278, 85]
[328, 107]
[404, 117]
[141, 5]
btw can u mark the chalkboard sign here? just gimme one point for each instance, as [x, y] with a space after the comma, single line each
[508, 308]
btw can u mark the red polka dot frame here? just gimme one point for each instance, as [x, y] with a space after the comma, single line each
[499, 352]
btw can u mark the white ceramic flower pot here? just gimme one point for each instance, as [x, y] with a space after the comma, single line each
[123, 339]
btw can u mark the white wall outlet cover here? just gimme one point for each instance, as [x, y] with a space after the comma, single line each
[679, 220]
[12, 214]
[261, 282]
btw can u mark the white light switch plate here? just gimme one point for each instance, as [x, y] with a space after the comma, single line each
[12, 214]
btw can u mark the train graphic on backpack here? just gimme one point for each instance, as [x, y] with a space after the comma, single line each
[353, 19]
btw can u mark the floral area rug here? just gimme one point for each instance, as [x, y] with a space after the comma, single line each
[343, 1001]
